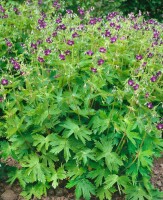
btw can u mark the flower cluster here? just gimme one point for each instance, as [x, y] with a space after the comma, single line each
[90, 81]
[15, 64]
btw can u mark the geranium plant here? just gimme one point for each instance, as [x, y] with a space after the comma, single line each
[80, 100]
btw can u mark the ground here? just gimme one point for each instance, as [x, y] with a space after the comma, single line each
[8, 192]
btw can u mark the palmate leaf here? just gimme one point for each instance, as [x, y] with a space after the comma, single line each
[37, 190]
[121, 181]
[111, 180]
[73, 170]
[17, 174]
[13, 125]
[144, 158]
[35, 169]
[41, 141]
[112, 160]
[132, 136]
[85, 154]
[80, 132]
[104, 193]
[83, 188]
[99, 123]
[60, 144]
[57, 175]
[98, 174]
[137, 192]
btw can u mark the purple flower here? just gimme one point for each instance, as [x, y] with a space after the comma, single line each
[92, 21]
[139, 57]
[16, 10]
[81, 27]
[43, 15]
[93, 69]
[62, 27]
[70, 42]
[1, 99]
[118, 27]
[58, 21]
[159, 126]
[99, 19]
[16, 66]
[2, 9]
[100, 61]
[22, 73]
[131, 82]
[81, 11]
[135, 87]
[147, 95]
[5, 16]
[4, 82]
[112, 24]
[74, 35]
[137, 27]
[156, 34]
[40, 2]
[67, 52]
[41, 59]
[12, 60]
[158, 73]
[113, 39]
[42, 23]
[69, 11]
[47, 52]
[34, 46]
[144, 64]
[9, 44]
[151, 21]
[89, 52]
[123, 38]
[39, 41]
[150, 55]
[54, 34]
[150, 105]
[153, 78]
[56, 5]
[102, 50]
[49, 40]
[111, 15]
[62, 57]
[107, 33]
[154, 44]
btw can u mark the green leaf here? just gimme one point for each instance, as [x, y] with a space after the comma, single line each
[112, 160]
[57, 175]
[98, 174]
[37, 190]
[110, 180]
[80, 132]
[60, 144]
[14, 125]
[35, 169]
[83, 188]
[41, 141]
[136, 192]
[84, 155]
[144, 158]
[104, 193]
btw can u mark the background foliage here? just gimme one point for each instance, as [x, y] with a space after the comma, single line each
[149, 8]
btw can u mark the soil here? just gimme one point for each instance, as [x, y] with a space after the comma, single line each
[8, 192]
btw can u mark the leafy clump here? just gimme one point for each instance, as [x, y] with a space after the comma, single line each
[80, 100]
